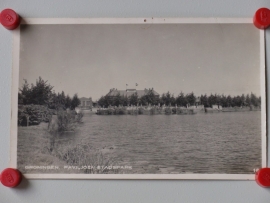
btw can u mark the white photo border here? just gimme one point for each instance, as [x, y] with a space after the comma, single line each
[15, 85]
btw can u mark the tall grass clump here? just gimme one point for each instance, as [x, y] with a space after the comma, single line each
[83, 155]
[66, 121]
[62, 122]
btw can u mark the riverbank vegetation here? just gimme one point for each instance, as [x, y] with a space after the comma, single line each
[38, 102]
[42, 93]
[182, 100]
[143, 110]
[87, 157]
[51, 116]
[34, 149]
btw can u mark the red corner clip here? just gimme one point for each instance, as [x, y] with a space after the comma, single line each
[263, 177]
[261, 18]
[9, 19]
[10, 177]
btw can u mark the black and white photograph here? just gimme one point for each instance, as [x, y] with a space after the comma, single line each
[138, 99]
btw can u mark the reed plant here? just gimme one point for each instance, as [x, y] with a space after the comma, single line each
[92, 161]
[66, 121]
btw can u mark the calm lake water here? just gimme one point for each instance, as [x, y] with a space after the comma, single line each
[202, 143]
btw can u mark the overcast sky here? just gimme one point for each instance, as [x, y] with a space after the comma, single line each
[91, 59]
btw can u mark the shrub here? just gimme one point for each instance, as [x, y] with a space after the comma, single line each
[153, 111]
[141, 110]
[67, 121]
[168, 110]
[132, 111]
[122, 110]
[34, 114]
[184, 111]
[111, 111]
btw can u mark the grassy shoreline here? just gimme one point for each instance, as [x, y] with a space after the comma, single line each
[34, 149]
[32, 144]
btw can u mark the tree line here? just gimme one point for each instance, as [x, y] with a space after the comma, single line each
[42, 93]
[182, 99]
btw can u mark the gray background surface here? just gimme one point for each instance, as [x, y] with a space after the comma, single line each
[120, 190]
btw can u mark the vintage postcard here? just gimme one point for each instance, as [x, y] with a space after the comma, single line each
[138, 99]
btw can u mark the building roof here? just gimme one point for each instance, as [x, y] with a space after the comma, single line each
[129, 92]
